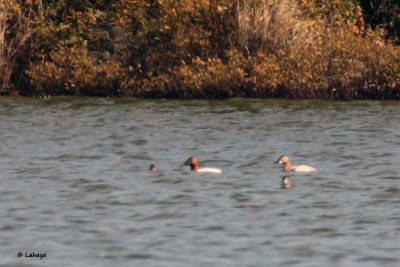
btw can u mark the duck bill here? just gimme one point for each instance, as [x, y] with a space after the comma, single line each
[277, 162]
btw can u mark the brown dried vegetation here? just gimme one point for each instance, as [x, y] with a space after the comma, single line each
[200, 49]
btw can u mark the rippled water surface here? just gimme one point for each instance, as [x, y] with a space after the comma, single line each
[74, 183]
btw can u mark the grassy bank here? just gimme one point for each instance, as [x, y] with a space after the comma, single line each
[328, 49]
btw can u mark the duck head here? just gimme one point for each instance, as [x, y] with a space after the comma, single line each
[153, 168]
[282, 160]
[192, 162]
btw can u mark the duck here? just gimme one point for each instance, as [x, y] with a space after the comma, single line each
[193, 162]
[287, 165]
[153, 168]
[286, 183]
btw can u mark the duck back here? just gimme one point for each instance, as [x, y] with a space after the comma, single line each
[212, 170]
[303, 168]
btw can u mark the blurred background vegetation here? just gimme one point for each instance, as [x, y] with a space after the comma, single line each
[329, 49]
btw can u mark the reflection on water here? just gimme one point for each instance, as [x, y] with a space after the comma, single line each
[75, 182]
[286, 183]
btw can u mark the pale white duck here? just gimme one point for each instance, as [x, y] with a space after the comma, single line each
[287, 165]
[194, 166]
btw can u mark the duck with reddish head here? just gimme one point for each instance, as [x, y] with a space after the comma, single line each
[193, 162]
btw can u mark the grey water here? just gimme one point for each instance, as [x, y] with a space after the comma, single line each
[75, 185]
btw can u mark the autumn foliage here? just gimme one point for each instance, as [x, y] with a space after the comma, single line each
[328, 49]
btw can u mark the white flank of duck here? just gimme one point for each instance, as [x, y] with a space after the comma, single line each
[213, 170]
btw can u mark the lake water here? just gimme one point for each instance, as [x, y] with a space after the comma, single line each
[74, 183]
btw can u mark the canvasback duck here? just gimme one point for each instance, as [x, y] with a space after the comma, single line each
[153, 168]
[287, 165]
[286, 183]
[194, 166]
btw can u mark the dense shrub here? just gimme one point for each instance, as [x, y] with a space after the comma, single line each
[71, 71]
[14, 36]
[331, 49]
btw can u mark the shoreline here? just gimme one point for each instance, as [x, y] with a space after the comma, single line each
[377, 96]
